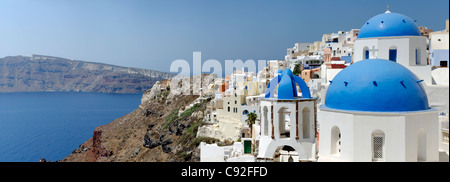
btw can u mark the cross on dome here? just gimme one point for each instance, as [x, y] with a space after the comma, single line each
[387, 11]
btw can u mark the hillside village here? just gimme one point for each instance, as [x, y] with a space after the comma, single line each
[259, 122]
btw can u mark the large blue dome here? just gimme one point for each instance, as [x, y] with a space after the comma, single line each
[376, 85]
[389, 24]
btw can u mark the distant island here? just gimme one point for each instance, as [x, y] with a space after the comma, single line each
[52, 74]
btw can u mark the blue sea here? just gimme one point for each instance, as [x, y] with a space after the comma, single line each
[51, 125]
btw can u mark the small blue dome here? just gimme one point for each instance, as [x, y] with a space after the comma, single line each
[287, 88]
[389, 24]
[376, 85]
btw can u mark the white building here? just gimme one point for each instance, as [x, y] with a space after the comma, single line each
[377, 110]
[340, 43]
[287, 120]
[394, 37]
[439, 56]
[298, 48]
[233, 153]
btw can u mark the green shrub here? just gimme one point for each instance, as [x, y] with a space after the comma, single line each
[191, 132]
[165, 93]
[191, 110]
[170, 118]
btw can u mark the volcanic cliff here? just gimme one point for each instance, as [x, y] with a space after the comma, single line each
[154, 132]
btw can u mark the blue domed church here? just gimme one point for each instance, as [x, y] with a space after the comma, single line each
[377, 108]
[394, 37]
[288, 121]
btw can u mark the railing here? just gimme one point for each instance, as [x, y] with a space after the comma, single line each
[445, 135]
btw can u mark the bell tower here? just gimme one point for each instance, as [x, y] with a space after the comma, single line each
[288, 121]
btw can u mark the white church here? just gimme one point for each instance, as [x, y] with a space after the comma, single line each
[377, 108]
[394, 37]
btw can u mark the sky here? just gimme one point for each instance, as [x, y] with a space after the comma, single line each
[152, 34]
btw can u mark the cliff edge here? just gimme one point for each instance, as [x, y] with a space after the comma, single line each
[162, 129]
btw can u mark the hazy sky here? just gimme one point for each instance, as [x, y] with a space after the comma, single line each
[151, 34]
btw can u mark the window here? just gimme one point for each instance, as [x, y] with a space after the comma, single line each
[393, 55]
[417, 57]
[235, 102]
[228, 109]
[378, 146]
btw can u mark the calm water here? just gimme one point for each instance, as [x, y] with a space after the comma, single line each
[52, 125]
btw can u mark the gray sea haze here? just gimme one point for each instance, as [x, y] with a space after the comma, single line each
[51, 125]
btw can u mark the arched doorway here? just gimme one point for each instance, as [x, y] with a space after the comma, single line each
[366, 53]
[285, 153]
[335, 141]
[284, 117]
[393, 53]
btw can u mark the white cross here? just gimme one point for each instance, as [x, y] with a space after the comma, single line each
[373, 50]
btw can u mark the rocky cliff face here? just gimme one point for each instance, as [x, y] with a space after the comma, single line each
[45, 73]
[155, 132]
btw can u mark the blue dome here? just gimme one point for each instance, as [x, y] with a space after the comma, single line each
[287, 88]
[376, 85]
[389, 24]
